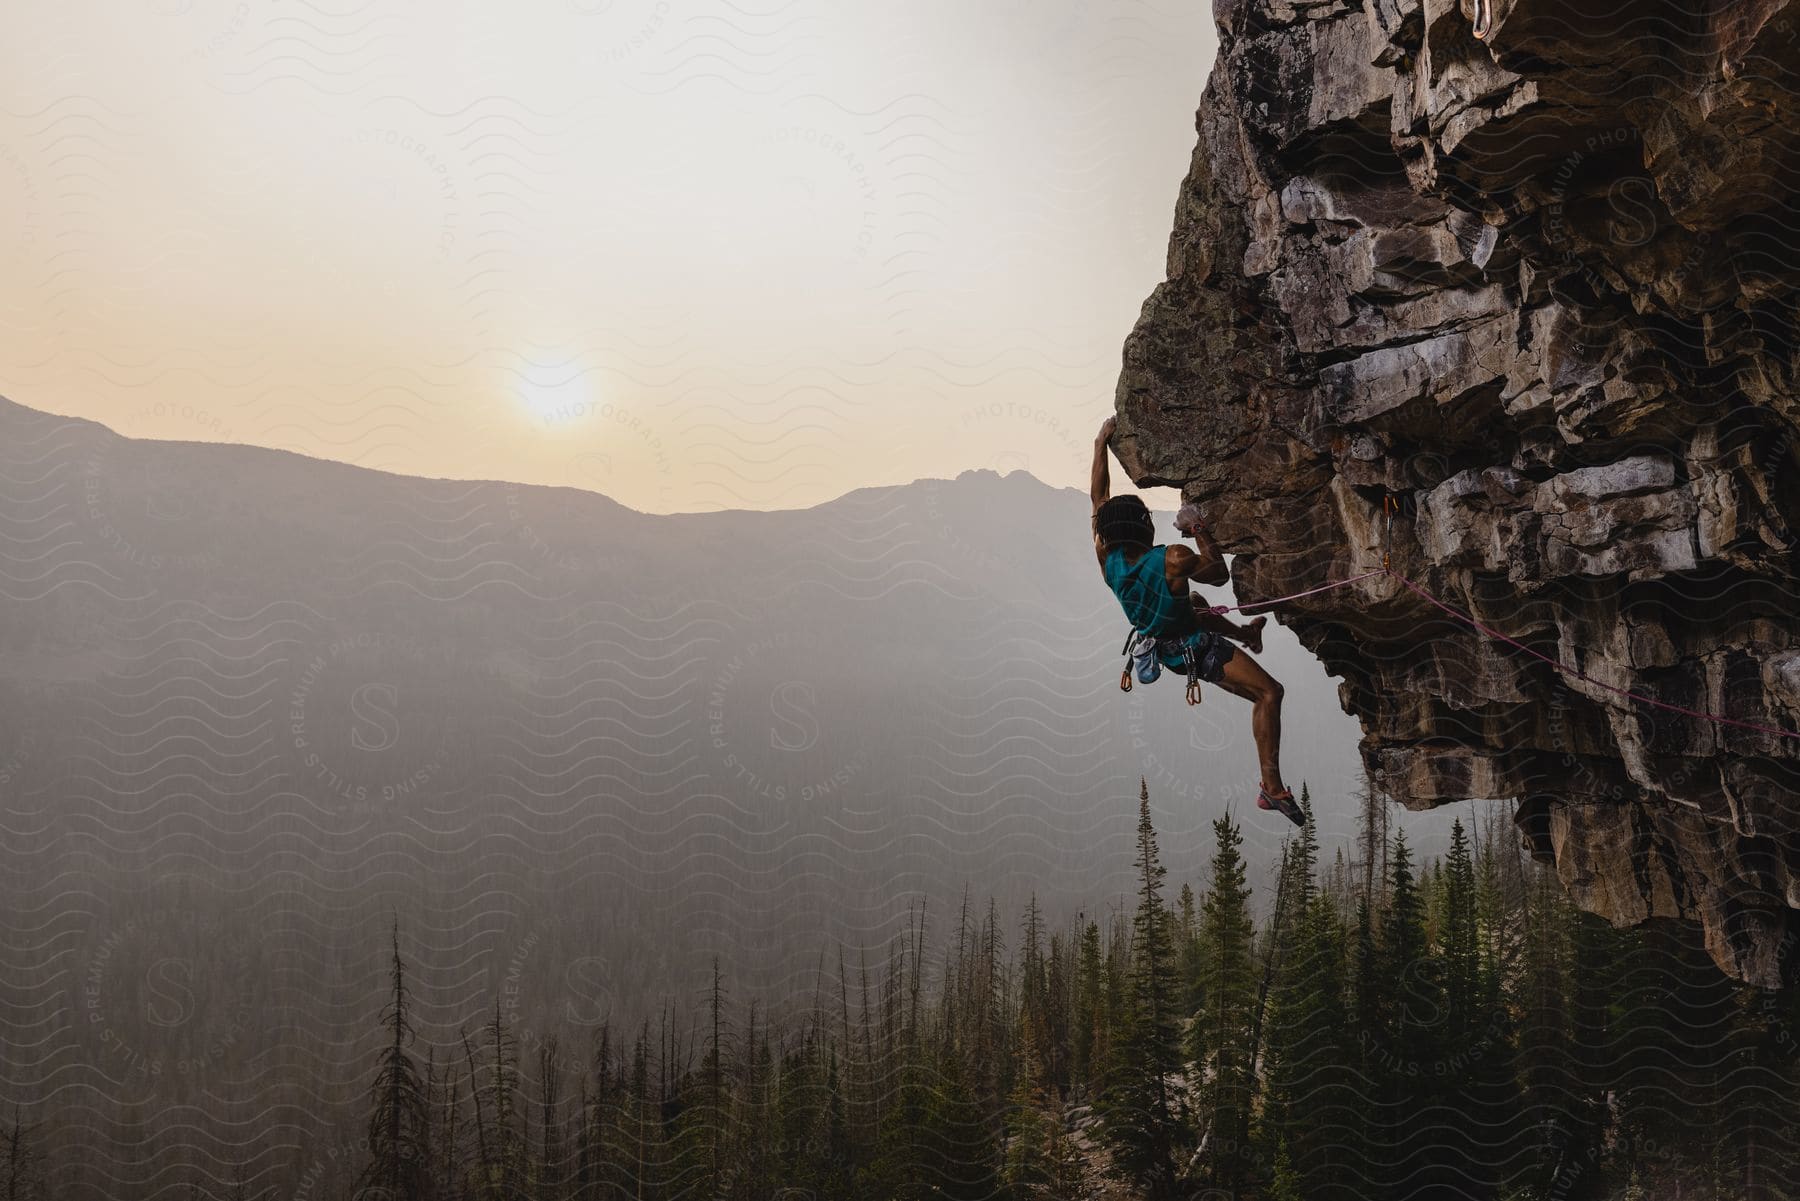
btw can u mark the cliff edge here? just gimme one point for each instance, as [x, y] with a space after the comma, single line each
[1537, 290]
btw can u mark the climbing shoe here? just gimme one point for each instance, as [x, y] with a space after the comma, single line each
[1283, 802]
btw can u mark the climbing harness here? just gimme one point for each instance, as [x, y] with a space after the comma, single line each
[1151, 607]
[1143, 659]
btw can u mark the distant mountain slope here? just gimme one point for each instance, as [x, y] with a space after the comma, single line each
[255, 706]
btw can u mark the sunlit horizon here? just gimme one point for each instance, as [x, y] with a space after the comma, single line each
[694, 258]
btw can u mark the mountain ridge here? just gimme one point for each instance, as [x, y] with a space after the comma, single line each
[15, 410]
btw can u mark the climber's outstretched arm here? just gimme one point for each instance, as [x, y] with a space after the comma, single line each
[1100, 483]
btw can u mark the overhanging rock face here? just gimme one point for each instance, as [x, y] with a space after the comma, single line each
[1540, 291]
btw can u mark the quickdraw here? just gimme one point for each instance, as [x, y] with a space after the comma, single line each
[1140, 660]
[1143, 655]
[1388, 506]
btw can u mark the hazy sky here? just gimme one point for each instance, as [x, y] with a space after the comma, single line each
[692, 255]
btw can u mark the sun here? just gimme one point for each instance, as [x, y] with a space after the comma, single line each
[554, 393]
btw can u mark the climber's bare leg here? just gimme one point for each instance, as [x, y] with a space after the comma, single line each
[1244, 676]
[1249, 633]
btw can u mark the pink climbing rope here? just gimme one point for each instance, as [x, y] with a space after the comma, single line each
[1558, 664]
[1296, 596]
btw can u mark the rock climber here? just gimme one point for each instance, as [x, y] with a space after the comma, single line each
[1152, 584]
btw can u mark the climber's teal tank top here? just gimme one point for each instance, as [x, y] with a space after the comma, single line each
[1143, 592]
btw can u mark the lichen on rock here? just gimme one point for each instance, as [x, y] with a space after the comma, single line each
[1539, 291]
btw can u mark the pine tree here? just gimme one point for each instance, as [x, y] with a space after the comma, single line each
[1058, 1006]
[898, 1163]
[1475, 1027]
[758, 1167]
[1140, 1120]
[449, 1158]
[1495, 913]
[1294, 889]
[509, 1139]
[959, 1155]
[1088, 1038]
[552, 1165]
[1312, 1105]
[1115, 995]
[21, 1175]
[1413, 1046]
[1190, 951]
[1034, 997]
[591, 1159]
[485, 1173]
[400, 1112]
[1031, 1122]
[1220, 1040]
[1371, 998]
[1372, 837]
[992, 1076]
[1284, 1183]
[711, 1116]
[1494, 1094]
[1459, 936]
[499, 1142]
[641, 1129]
[1303, 862]
[1544, 1041]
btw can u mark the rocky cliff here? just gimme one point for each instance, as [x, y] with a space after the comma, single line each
[1538, 290]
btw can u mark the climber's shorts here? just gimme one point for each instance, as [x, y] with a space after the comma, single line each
[1213, 650]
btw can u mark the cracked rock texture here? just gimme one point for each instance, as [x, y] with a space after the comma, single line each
[1540, 292]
